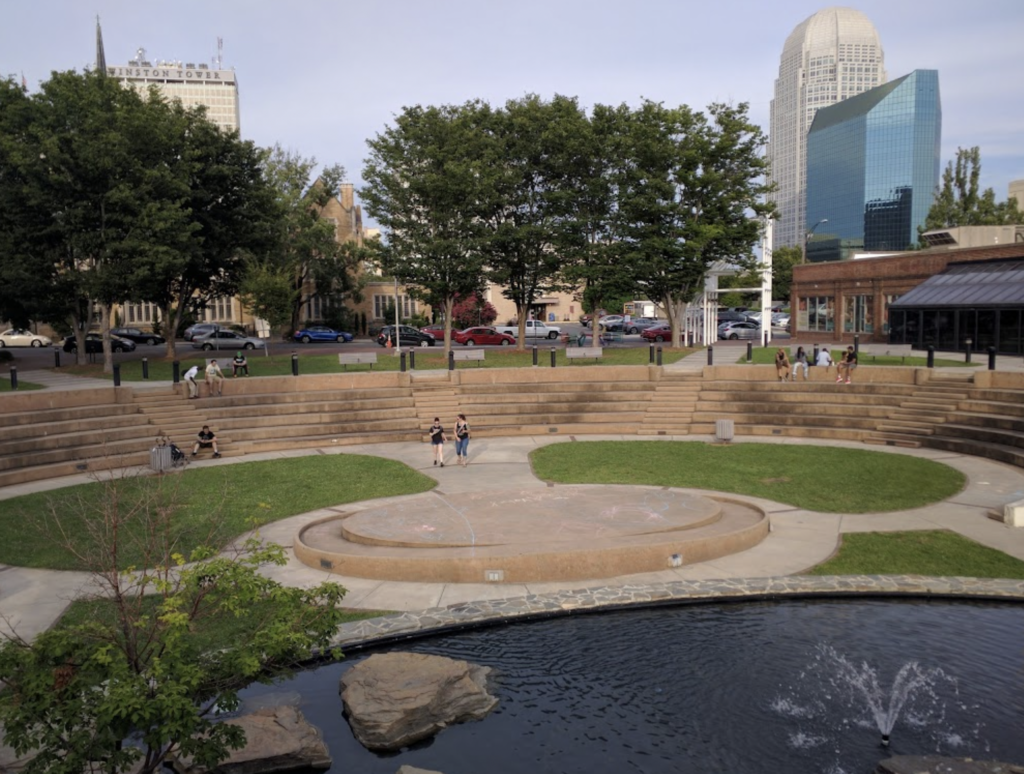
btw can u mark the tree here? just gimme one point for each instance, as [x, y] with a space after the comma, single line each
[783, 261]
[690, 195]
[305, 250]
[138, 666]
[533, 200]
[430, 183]
[473, 310]
[957, 202]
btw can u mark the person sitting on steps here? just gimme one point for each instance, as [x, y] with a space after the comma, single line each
[206, 438]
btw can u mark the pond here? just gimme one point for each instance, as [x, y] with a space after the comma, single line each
[756, 687]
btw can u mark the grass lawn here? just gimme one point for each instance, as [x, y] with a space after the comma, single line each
[223, 499]
[766, 356]
[918, 553]
[23, 386]
[427, 358]
[819, 478]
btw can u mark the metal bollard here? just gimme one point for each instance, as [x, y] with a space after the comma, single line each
[711, 355]
[145, 368]
[750, 351]
[295, 364]
[991, 358]
[856, 344]
[451, 360]
[535, 354]
[412, 359]
[553, 350]
[651, 359]
[56, 357]
[401, 362]
[659, 356]
[117, 374]
[967, 354]
[931, 356]
[816, 350]
[14, 377]
[176, 372]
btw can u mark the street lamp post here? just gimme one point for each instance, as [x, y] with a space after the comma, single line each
[807, 238]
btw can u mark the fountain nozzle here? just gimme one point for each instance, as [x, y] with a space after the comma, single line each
[885, 740]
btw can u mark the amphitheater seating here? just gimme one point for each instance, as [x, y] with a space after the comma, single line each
[43, 436]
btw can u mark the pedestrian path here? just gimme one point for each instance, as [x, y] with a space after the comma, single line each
[30, 599]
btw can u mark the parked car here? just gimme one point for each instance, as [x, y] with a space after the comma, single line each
[224, 339]
[472, 336]
[199, 329]
[729, 315]
[408, 337]
[18, 337]
[743, 329]
[138, 336]
[321, 333]
[780, 320]
[660, 332]
[437, 331]
[640, 324]
[94, 344]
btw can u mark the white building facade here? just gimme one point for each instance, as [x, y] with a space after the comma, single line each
[831, 56]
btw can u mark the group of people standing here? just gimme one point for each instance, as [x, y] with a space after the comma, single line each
[844, 368]
[438, 438]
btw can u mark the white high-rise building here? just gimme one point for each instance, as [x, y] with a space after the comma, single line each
[833, 55]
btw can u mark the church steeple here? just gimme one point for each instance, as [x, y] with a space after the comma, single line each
[101, 58]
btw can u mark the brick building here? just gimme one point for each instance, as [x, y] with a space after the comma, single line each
[834, 301]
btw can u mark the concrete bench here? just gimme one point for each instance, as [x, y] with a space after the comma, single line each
[892, 350]
[583, 353]
[346, 359]
[467, 355]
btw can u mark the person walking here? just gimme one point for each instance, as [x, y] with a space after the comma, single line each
[437, 439]
[782, 364]
[462, 440]
[800, 360]
[214, 378]
[190, 380]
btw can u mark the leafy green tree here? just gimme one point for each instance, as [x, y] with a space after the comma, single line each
[530, 236]
[783, 261]
[139, 667]
[691, 193]
[305, 246]
[430, 183]
[958, 203]
[588, 237]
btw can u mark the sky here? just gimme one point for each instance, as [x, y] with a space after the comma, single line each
[320, 78]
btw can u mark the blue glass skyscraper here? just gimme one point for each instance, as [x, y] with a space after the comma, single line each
[873, 168]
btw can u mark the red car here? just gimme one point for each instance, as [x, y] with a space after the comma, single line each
[659, 333]
[437, 331]
[472, 336]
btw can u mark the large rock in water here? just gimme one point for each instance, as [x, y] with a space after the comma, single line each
[395, 699]
[934, 764]
[276, 739]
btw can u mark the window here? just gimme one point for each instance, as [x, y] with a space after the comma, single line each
[381, 303]
[140, 314]
[815, 313]
[857, 314]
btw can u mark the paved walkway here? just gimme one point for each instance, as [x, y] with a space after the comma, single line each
[30, 600]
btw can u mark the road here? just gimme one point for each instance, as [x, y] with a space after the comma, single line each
[28, 358]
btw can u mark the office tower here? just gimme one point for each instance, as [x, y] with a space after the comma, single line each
[873, 167]
[831, 56]
[190, 83]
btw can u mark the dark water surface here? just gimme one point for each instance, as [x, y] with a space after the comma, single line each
[739, 688]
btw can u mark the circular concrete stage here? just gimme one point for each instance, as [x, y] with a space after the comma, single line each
[555, 534]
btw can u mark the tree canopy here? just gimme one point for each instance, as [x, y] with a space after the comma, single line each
[958, 202]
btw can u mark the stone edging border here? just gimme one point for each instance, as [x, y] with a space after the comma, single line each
[400, 626]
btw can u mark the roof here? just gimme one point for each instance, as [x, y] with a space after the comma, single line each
[975, 284]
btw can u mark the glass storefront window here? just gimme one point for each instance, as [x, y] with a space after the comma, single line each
[815, 313]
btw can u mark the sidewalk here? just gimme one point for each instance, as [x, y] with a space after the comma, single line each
[30, 600]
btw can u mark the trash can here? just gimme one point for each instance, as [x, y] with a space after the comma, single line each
[160, 458]
[724, 429]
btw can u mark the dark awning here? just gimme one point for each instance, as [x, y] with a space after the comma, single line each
[981, 283]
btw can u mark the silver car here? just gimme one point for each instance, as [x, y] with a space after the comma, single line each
[739, 330]
[226, 340]
[17, 337]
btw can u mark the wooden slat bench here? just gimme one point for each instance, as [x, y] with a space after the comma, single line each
[357, 358]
